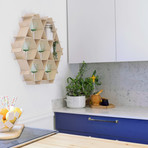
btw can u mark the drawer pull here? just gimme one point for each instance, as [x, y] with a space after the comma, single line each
[90, 119]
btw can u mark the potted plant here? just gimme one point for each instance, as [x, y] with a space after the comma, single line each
[80, 88]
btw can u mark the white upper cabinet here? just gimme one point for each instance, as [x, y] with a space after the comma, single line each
[91, 31]
[132, 30]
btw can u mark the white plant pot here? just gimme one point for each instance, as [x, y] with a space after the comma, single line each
[75, 101]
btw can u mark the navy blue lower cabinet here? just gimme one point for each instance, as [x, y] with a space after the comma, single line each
[131, 130]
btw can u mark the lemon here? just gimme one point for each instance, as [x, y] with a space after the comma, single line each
[16, 109]
[3, 112]
[10, 117]
[3, 120]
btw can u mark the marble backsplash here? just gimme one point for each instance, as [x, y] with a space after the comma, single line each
[123, 83]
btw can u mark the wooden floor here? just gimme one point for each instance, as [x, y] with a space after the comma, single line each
[73, 141]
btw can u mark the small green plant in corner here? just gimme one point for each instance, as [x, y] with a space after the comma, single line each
[54, 49]
[80, 86]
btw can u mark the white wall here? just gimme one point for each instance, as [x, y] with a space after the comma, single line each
[34, 99]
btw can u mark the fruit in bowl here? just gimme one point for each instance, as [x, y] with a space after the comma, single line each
[3, 112]
[9, 117]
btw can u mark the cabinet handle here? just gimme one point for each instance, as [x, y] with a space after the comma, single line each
[90, 119]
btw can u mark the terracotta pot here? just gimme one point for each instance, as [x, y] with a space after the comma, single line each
[95, 99]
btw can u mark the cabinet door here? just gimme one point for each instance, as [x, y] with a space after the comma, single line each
[91, 31]
[131, 130]
[132, 30]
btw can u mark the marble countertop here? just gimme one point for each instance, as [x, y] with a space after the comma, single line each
[119, 111]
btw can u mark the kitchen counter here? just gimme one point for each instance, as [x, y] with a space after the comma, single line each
[119, 111]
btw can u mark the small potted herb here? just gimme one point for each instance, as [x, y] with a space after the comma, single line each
[80, 88]
[54, 49]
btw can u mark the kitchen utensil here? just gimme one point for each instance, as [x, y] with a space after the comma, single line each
[95, 100]
[99, 92]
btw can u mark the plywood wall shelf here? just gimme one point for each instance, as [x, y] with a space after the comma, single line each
[34, 50]
[50, 75]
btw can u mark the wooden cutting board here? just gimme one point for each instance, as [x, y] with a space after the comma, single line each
[61, 140]
[15, 132]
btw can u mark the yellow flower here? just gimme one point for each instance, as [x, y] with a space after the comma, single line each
[93, 78]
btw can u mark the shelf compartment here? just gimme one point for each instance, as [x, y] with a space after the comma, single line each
[44, 51]
[38, 34]
[44, 35]
[23, 31]
[50, 75]
[24, 66]
[44, 44]
[25, 22]
[28, 77]
[51, 56]
[38, 26]
[59, 54]
[50, 43]
[29, 55]
[51, 63]
[50, 21]
[28, 19]
[43, 55]
[58, 47]
[39, 75]
[19, 43]
[34, 77]
[44, 20]
[39, 64]
[38, 23]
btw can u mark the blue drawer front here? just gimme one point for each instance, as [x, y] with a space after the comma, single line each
[105, 126]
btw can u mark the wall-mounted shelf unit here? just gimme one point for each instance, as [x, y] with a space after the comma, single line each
[33, 49]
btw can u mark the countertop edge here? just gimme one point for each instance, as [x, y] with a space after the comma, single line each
[118, 112]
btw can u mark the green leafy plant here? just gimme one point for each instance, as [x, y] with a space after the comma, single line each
[80, 86]
[54, 49]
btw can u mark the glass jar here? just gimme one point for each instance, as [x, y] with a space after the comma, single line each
[33, 29]
[25, 48]
[48, 31]
[48, 68]
[34, 70]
